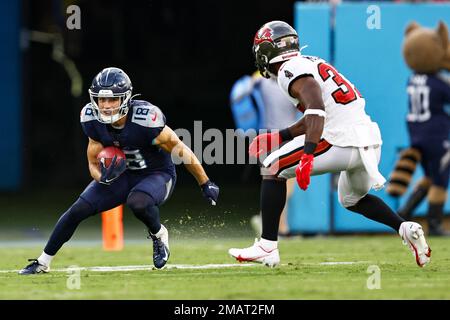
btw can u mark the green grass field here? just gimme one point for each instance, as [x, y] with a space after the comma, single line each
[310, 270]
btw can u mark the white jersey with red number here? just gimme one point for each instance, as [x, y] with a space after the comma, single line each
[346, 122]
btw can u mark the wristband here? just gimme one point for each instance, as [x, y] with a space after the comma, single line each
[309, 147]
[317, 112]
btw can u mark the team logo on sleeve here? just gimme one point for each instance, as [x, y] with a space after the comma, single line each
[263, 35]
[288, 74]
[87, 114]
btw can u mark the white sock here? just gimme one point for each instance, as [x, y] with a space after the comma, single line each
[268, 244]
[160, 232]
[45, 259]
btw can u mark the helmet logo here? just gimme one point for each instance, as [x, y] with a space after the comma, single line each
[288, 74]
[263, 35]
[105, 93]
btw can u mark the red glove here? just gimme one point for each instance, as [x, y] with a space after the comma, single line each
[303, 170]
[264, 143]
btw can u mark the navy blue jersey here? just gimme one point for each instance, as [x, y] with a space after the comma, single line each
[427, 118]
[144, 123]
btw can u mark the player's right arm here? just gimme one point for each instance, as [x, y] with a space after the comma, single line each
[93, 149]
[298, 128]
[296, 78]
[308, 92]
[88, 120]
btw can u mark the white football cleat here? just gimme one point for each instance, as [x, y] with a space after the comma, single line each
[256, 253]
[413, 236]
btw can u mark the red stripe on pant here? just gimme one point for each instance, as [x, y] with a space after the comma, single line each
[290, 159]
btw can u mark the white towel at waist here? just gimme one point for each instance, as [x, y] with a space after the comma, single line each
[370, 161]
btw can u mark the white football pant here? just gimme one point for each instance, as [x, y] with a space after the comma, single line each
[354, 180]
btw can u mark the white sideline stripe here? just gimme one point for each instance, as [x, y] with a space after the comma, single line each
[181, 266]
[147, 267]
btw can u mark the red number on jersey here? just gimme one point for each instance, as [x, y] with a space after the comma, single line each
[340, 95]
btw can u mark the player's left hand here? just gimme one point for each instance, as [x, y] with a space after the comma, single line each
[210, 191]
[115, 169]
[303, 171]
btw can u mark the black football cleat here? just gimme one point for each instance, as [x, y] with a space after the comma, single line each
[34, 268]
[161, 251]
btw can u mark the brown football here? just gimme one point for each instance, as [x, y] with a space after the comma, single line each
[108, 153]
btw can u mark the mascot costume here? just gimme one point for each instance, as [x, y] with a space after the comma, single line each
[427, 53]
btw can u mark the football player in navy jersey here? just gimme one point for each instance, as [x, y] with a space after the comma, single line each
[144, 181]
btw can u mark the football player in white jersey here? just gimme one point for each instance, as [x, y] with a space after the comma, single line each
[334, 135]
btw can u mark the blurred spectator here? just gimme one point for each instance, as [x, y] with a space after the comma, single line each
[258, 103]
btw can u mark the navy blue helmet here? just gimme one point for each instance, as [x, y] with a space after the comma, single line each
[111, 83]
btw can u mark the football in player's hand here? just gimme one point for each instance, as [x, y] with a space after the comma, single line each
[107, 154]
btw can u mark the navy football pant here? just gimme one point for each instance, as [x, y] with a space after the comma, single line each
[145, 209]
[142, 193]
